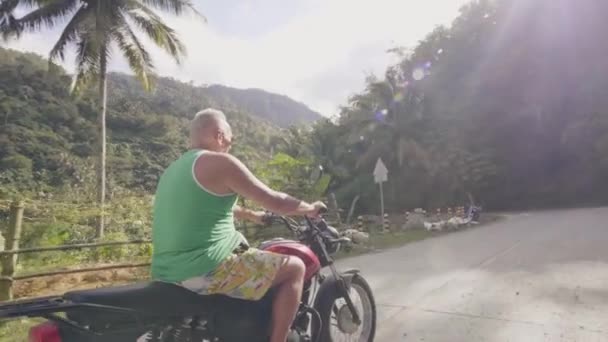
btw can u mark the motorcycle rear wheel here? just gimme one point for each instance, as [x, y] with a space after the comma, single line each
[337, 324]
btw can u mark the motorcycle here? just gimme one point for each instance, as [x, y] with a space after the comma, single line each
[335, 306]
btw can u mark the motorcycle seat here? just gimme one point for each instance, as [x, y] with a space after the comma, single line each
[156, 298]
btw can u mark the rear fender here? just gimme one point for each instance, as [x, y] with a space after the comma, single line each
[35, 307]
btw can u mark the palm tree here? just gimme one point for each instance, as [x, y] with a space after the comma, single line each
[93, 27]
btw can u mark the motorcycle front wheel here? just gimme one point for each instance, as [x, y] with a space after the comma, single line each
[336, 320]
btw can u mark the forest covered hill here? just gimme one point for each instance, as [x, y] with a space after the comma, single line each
[47, 135]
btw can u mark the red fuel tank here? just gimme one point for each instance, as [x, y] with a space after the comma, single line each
[294, 248]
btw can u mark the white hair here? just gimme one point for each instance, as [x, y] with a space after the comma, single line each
[204, 119]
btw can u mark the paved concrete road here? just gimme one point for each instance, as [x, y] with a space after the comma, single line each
[531, 277]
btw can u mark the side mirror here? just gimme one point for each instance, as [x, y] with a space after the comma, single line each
[316, 174]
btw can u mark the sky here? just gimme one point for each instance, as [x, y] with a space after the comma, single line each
[315, 51]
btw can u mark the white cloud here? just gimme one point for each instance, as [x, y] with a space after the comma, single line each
[318, 57]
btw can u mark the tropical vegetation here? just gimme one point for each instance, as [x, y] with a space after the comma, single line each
[506, 108]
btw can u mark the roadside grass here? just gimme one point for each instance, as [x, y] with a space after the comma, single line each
[381, 241]
[17, 330]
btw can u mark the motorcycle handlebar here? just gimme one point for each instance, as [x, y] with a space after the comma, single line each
[342, 240]
[296, 228]
[289, 222]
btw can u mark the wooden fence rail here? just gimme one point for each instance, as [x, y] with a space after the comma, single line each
[78, 270]
[9, 261]
[9, 253]
[72, 247]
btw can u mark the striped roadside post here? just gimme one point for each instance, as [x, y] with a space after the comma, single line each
[386, 223]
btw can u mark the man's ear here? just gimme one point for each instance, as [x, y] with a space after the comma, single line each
[218, 134]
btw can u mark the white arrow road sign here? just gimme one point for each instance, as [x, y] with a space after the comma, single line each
[380, 172]
[381, 176]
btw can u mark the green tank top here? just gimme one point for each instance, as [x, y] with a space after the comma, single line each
[193, 228]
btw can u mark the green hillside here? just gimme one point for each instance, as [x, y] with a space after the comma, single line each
[47, 136]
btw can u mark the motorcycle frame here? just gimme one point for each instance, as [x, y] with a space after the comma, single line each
[338, 280]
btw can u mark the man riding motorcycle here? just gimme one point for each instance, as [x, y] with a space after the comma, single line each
[194, 238]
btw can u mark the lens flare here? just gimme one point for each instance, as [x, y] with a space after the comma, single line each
[418, 74]
[381, 115]
[398, 97]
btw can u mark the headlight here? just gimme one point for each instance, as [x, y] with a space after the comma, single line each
[331, 235]
[333, 232]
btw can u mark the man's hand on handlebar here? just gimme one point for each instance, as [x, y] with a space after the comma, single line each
[317, 209]
[268, 218]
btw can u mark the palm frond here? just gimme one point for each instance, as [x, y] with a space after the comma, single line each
[161, 34]
[8, 6]
[88, 66]
[70, 32]
[176, 7]
[48, 14]
[25, 3]
[383, 93]
[138, 58]
[8, 23]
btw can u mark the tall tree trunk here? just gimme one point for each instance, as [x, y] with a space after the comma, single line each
[101, 167]
[333, 204]
[351, 211]
[471, 198]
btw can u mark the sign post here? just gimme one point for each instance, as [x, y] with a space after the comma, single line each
[381, 176]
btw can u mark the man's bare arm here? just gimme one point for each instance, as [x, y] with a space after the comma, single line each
[237, 177]
[245, 214]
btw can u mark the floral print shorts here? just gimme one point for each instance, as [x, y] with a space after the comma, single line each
[246, 275]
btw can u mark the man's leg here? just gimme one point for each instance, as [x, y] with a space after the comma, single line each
[288, 282]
